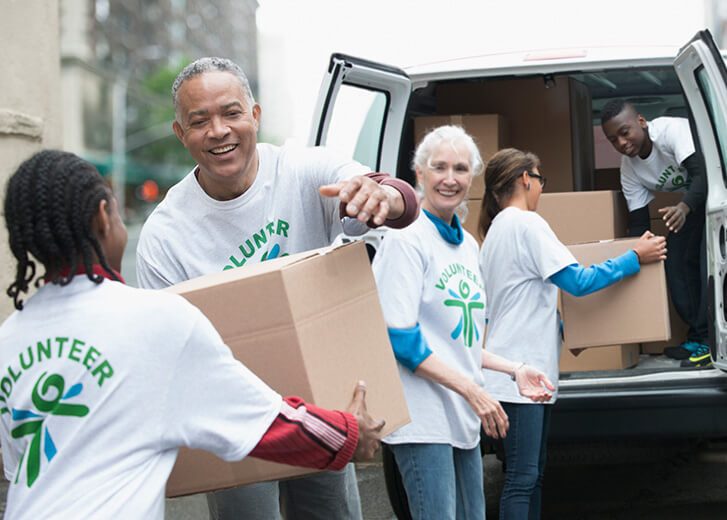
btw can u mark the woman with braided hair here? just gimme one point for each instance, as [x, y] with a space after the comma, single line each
[96, 396]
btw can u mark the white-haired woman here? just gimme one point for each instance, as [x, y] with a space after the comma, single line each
[433, 302]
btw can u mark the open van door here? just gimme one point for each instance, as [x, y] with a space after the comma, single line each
[360, 111]
[701, 71]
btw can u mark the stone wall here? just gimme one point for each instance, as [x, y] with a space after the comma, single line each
[30, 111]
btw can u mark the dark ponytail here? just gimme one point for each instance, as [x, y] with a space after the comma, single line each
[50, 203]
[502, 170]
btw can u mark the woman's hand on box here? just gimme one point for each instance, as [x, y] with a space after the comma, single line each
[650, 248]
[369, 430]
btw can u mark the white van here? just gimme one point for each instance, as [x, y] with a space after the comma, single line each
[381, 103]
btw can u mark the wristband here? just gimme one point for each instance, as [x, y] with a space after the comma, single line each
[637, 255]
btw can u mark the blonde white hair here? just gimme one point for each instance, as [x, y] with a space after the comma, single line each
[452, 135]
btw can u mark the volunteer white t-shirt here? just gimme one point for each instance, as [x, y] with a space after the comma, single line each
[190, 234]
[99, 387]
[661, 170]
[519, 254]
[423, 279]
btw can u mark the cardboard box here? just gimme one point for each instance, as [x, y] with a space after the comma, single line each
[634, 310]
[308, 324]
[488, 130]
[679, 331]
[553, 120]
[585, 216]
[612, 357]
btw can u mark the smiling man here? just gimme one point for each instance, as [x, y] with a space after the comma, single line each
[660, 155]
[246, 202]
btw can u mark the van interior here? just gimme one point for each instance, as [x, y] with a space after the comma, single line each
[557, 116]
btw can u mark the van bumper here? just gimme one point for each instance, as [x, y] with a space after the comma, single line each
[694, 405]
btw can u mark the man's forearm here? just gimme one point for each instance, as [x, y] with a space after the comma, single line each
[309, 436]
[404, 203]
[697, 194]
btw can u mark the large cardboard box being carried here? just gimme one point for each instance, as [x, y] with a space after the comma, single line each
[488, 130]
[585, 216]
[309, 325]
[634, 310]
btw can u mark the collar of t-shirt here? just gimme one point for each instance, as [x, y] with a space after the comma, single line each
[452, 233]
[95, 269]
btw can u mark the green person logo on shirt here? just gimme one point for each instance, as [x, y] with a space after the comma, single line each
[465, 326]
[32, 421]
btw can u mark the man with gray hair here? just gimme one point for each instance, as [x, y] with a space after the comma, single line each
[246, 202]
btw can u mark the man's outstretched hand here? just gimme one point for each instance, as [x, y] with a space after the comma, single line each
[365, 199]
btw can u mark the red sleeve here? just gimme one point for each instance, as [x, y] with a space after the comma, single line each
[305, 435]
[409, 196]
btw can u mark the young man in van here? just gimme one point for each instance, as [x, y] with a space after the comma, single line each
[660, 156]
[246, 202]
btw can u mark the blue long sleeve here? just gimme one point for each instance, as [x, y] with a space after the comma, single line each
[582, 281]
[410, 347]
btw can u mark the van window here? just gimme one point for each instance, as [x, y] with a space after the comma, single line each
[717, 117]
[357, 124]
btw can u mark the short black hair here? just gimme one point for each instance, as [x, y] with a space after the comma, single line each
[50, 203]
[614, 108]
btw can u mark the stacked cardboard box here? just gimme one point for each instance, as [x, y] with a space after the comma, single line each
[639, 305]
[308, 325]
[588, 216]
[553, 120]
[614, 357]
[631, 311]
[585, 216]
[577, 217]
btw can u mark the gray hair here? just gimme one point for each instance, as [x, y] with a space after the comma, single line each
[203, 65]
[451, 135]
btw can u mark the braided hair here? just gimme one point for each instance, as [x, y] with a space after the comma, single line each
[503, 169]
[49, 206]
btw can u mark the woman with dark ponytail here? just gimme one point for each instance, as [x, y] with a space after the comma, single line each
[523, 264]
[101, 384]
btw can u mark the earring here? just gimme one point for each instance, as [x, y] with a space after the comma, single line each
[527, 187]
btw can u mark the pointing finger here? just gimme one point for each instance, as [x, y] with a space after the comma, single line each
[331, 190]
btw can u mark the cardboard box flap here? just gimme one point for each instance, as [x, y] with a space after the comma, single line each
[209, 280]
[228, 307]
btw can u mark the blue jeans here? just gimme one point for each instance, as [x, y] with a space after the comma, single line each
[441, 482]
[322, 496]
[525, 454]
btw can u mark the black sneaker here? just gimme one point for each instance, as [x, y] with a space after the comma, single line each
[677, 352]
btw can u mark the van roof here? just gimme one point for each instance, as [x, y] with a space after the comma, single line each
[526, 62]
